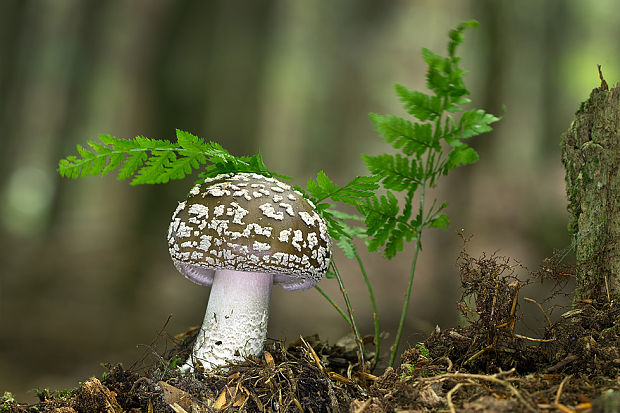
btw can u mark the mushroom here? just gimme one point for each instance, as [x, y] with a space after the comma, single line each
[241, 233]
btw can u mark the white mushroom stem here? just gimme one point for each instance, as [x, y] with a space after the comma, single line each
[235, 325]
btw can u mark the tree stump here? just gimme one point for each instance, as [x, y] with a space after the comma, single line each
[591, 156]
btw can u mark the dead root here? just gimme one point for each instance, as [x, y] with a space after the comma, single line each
[572, 365]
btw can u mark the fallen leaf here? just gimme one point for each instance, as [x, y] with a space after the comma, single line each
[221, 401]
[174, 395]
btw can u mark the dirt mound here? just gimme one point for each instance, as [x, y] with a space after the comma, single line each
[485, 366]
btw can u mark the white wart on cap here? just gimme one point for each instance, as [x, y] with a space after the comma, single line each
[245, 225]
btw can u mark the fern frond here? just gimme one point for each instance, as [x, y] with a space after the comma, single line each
[154, 161]
[191, 143]
[457, 36]
[114, 162]
[346, 243]
[424, 158]
[396, 172]
[324, 188]
[474, 122]
[411, 138]
[385, 226]
[133, 162]
[460, 156]
[422, 106]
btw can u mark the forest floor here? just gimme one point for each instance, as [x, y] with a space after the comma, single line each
[485, 366]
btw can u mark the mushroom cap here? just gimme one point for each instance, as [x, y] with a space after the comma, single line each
[249, 222]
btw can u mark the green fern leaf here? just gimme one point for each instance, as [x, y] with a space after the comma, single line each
[347, 247]
[133, 162]
[178, 169]
[418, 104]
[346, 243]
[151, 161]
[324, 188]
[84, 153]
[457, 37]
[440, 221]
[152, 144]
[395, 171]
[99, 149]
[460, 156]
[119, 145]
[402, 134]
[345, 216]
[115, 160]
[378, 210]
[155, 171]
[474, 122]
[190, 142]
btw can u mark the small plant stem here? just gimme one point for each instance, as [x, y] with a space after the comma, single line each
[353, 324]
[403, 315]
[329, 299]
[375, 316]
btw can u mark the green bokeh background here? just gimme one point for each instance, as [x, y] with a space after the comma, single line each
[85, 275]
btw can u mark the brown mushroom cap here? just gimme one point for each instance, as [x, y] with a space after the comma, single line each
[249, 222]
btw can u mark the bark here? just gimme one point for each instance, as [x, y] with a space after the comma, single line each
[591, 155]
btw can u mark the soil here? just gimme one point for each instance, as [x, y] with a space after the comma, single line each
[485, 366]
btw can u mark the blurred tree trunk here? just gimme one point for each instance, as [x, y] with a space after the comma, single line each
[591, 156]
[558, 18]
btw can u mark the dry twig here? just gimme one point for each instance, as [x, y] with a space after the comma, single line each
[449, 396]
[559, 393]
[495, 378]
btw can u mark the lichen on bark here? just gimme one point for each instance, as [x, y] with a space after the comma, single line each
[591, 156]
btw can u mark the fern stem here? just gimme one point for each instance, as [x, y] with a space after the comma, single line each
[403, 315]
[333, 303]
[375, 315]
[347, 302]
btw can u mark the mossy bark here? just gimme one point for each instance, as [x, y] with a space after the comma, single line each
[591, 156]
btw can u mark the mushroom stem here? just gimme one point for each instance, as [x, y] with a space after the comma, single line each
[235, 324]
